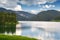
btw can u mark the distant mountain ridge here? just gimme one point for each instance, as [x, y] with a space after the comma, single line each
[20, 15]
[24, 16]
[41, 16]
[46, 15]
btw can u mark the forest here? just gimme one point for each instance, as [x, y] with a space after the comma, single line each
[7, 22]
[7, 18]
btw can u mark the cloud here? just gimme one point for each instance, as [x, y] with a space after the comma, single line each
[13, 4]
[35, 11]
[48, 6]
[10, 4]
[18, 8]
[35, 2]
[51, 1]
[58, 10]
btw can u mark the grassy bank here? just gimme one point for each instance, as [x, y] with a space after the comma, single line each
[55, 20]
[9, 37]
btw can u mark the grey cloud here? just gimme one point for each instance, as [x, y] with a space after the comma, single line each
[34, 2]
[8, 4]
[51, 1]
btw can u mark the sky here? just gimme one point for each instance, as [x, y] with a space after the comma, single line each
[33, 6]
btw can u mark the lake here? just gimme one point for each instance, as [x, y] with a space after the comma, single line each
[43, 30]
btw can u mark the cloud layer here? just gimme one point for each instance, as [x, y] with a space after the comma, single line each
[10, 4]
[48, 6]
[13, 4]
[35, 2]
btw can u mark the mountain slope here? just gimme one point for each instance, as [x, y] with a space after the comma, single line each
[46, 15]
[23, 16]
[20, 15]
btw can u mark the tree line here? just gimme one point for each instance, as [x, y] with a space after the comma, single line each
[7, 18]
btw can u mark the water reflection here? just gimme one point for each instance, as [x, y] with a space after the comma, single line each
[9, 28]
[40, 30]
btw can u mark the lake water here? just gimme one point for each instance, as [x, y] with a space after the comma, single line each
[37, 29]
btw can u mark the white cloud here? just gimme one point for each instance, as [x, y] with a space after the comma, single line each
[3, 1]
[58, 10]
[48, 6]
[10, 4]
[18, 8]
[37, 11]
[51, 1]
[34, 11]
[34, 2]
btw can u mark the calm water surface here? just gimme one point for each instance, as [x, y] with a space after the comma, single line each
[42, 30]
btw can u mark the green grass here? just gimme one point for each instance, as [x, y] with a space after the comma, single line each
[56, 20]
[9, 37]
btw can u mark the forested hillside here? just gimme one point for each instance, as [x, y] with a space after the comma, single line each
[7, 18]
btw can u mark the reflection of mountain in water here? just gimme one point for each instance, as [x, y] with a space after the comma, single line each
[38, 32]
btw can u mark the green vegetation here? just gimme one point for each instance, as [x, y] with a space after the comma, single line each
[7, 22]
[55, 20]
[9, 28]
[9, 37]
[7, 18]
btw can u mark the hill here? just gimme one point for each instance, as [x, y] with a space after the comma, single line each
[47, 16]
[20, 15]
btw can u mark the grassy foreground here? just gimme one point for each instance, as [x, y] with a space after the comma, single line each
[9, 37]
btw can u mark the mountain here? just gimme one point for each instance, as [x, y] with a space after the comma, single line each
[20, 15]
[5, 10]
[2, 9]
[46, 16]
[24, 16]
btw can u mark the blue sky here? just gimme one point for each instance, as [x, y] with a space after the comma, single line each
[33, 6]
[46, 6]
